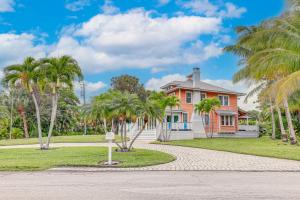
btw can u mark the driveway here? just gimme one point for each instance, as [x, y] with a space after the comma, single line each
[150, 185]
[193, 159]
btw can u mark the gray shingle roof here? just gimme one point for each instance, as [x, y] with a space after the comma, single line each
[203, 86]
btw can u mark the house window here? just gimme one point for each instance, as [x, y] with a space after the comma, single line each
[227, 120]
[202, 96]
[206, 119]
[224, 99]
[188, 98]
[185, 117]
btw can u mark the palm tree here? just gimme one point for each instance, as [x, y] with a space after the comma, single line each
[274, 57]
[28, 76]
[208, 106]
[171, 102]
[59, 72]
[147, 110]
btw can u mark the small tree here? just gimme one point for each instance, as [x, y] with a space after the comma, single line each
[208, 106]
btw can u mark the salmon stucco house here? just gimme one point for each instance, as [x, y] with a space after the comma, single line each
[193, 90]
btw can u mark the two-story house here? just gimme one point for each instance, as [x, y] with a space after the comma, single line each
[193, 90]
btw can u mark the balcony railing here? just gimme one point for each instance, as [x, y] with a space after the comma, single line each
[179, 126]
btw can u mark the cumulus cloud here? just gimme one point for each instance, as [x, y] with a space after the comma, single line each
[77, 5]
[109, 8]
[163, 2]
[156, 83]
[7, 5]
[232, 11]
[207, 8]
[14, 47]
[136, 39]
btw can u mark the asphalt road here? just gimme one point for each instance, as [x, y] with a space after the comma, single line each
[149, 185]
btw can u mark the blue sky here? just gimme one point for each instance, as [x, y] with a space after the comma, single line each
[155, 40]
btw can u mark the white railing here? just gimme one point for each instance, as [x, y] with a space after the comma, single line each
[248, 127]
[178, 126]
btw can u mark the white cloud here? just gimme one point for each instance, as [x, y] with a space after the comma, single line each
[77, 5]
[7, 5]
[163, 2]
[232, 11]
[206, 8]
[13, 48]
[109, 8]
[201, 7]
[156, 83]
[138, 40]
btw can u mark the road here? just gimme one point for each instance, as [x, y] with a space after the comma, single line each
[149, 185]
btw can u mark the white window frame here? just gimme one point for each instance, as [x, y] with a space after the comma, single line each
[191, 97]
[221, 95]
[187, 117]
[226, 117]
[205, 94]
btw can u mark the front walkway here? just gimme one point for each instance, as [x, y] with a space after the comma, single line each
[192, 159]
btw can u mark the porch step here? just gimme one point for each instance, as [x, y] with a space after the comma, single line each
[147, 135]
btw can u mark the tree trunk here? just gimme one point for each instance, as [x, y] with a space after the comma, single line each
[212, 125]
[169, 134]
[136, 136]
[105, 125]
[282, 130]
[293, 138]
[273, 121]
[38, 118]
[52, 119]
[25, 125]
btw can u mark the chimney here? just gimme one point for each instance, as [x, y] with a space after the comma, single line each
[196, 76]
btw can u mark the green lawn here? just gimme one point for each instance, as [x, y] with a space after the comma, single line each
[57, 139]
[254, 146]
[34, 159]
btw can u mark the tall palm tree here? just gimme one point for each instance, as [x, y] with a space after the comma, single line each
[208, 106]
[28, 76]
[59, 72]
[171, 102]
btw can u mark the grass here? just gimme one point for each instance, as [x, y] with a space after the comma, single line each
[57, 139]
[252, 146]
[34, 159]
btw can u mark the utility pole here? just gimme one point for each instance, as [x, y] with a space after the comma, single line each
[11, 113]
[84, 103]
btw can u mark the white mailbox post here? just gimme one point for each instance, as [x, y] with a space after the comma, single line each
[110, 136]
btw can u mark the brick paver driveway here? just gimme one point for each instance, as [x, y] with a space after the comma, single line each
[193, 159]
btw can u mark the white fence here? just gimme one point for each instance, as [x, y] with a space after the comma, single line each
[248, 128]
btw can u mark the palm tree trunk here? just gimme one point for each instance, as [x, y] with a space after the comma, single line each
[136, 136]
[273, 121]
[25, 125]
[105, 125]
[293, 138]
[38, 118]
[282, 130]
[212, 125]
[52, 119]
[169, 134]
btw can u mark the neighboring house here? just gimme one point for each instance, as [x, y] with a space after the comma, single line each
[191, 92]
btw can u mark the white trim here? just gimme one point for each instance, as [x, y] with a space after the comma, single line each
[225, 96]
